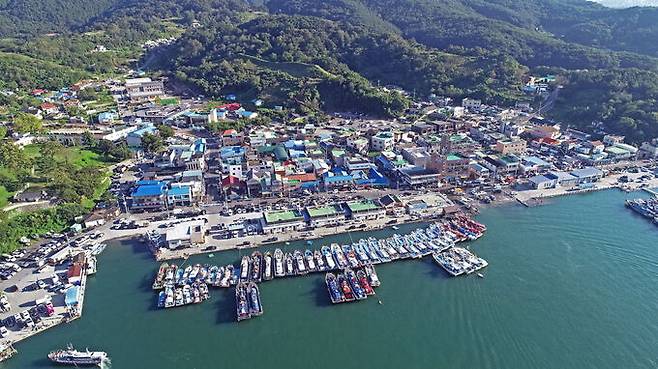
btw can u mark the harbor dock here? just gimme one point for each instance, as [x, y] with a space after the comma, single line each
[349, 269]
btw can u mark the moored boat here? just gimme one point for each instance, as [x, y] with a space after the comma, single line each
[267, 266]
[335, 293]
[363, 281]
[241, 302]
[279, 268]
[255, 306]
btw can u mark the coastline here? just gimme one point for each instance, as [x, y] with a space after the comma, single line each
[526, 198]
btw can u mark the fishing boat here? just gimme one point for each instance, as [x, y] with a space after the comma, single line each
[178, 297]
[351, 257]
[290, 266]
[162, 297]
[267, 266]
[244, 268]
[255, 306]
[338, 254]
[335, 293]
[359, 293]
[328, 258]
[279, 269]
[225, 280]
[241, 302]
[310, 262]
[73, 357]
[363, 281]
[195, 272]
[299, 263]
[169, 297]
[257, 262]
[372, 276]
[345, 288]
[319, 261]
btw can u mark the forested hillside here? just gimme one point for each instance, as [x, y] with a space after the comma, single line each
[336, 54]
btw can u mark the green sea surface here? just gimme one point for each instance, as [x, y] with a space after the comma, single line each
[570, 284]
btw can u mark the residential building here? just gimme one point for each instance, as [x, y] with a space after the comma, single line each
[134, 139]
[231, 137]
[382, 141]
[649, 150]
[149, 195]
[415, 176]
[179, 196]
[513, 146]
[471, 104]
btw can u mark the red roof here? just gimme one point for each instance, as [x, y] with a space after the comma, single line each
[229, 107]
[46, 106]
[231, 181]
[74, 271]
[229, 132]
[547, 140]
[38, 92]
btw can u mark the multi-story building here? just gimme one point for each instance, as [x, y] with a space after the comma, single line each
[513, 146]
[282, 221]
[382, 141]
[143, 89]
[325, 216]
[364, 210]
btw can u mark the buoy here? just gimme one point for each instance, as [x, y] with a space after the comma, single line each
[380, 302]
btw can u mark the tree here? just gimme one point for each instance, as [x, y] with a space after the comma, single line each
[12, 156]
[152, 143]
[3, 132]
[89, 140]
[121, 151]
[165, 131]
[50, 149]
[24, 123]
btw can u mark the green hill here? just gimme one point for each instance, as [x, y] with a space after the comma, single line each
[336, 54]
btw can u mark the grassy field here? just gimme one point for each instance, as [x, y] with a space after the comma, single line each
[76, 155]
[299, 70]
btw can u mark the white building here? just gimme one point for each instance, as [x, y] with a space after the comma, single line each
[382, 141]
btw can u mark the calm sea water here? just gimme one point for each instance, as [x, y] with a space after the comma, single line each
[571, 284]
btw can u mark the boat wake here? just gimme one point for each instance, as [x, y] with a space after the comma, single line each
[106, 364]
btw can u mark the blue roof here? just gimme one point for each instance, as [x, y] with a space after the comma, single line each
[331, 179]
[177, 191]
[200, 145]
[71, 297]
[231, 151]
[149, 190]
[146, 182]
[140, 132]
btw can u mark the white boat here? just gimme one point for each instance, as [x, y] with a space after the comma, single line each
[279, 270]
